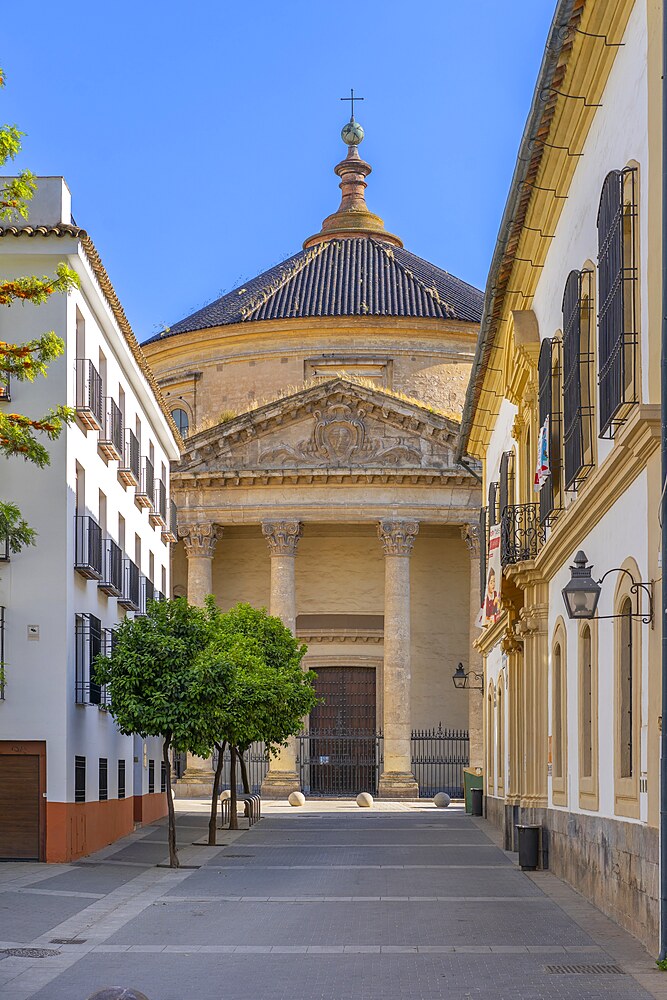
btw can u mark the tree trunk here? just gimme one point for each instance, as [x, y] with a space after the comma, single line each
[233, 815]
[212, 823]
[173, 855]
[244, 773]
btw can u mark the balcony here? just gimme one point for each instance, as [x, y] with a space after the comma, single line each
[521, 533]
[129, 470]
[170, 533]
[111, 582]
[158, 516]
[87, 547]
[4, 548]
[146, 489]
[2, 652]
[5, 389]
[88, 645]
[110, 442]
[89, 401]
[130, 597]
[147, 594]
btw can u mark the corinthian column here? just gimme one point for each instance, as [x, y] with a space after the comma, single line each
[200, 541]
[282, 538]
[470, 535]
[397, 780]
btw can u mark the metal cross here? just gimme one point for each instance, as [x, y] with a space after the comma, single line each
[352, 98]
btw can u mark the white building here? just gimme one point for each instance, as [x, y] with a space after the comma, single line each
[69, 782]
[570, 341]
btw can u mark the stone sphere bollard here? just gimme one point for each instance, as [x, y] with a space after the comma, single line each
[297, 799]
[442, 800]
[118, 993]
[364, 800]
[226, 794]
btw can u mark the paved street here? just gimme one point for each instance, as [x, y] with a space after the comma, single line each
[330, 902]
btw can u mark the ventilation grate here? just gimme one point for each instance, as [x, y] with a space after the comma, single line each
[30, 952]
[73, 940]
[584, 970]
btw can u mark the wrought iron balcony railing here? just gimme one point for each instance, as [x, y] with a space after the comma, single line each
[158, 516]
[522, 533]
[89, 402]
[131, 596]
[129, 470]
[111, 437]
[146, 489]
[111, 581]
[2, 652]
[147, 594]
[5, 389]
[170, 533]
[4, 548]
[87, 547]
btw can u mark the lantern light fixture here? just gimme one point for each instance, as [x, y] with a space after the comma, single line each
[582, 593]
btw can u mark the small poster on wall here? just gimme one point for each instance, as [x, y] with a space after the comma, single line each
[490, 611]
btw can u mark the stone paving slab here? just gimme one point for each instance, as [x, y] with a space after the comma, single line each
[409, 855]
[260, 836]
[338, 976]
[90, 878]
[25, 916]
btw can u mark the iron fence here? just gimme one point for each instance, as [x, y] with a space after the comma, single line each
[338, 765]
[438, 758]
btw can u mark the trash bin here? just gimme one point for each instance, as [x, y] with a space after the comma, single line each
[472, 778]
[529, 846]
[477, 798]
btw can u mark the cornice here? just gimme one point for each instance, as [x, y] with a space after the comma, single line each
[491, 635]
[226, 478]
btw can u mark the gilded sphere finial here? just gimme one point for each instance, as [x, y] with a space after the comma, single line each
[352, 133]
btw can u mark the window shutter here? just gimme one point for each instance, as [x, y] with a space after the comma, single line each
[493, 503]
[572, 413]
[545, 410]
[483, 553]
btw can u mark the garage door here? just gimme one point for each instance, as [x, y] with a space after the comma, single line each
[19, 807]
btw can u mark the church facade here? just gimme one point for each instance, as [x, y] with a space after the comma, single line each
[321, 405]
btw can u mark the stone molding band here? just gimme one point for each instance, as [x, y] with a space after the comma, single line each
[199, 539]
[398, 537]
[282, 536]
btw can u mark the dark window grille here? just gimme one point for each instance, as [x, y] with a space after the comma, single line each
[79, 779]
[578, 365]
[131, 596]
[483, 553]
[2, 653]
[103, 771]
[5, 389]
[506, 486]
[87, 546]
[89, 404]
[151, 776]
[163, 776]
[88, 645]
[160, 502]
[617, 316]
[129, 471]
[121, 779]
[146, 492]
[549, 406]
[494, 504]
[4, 548]
[111, 581]
[110, 441]
[522, 533]
[170, 533]
[147, 594]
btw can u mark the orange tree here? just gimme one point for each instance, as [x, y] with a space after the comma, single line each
[21, 435]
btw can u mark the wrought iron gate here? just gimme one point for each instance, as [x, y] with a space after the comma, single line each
[339, 765]
[256, 762]
[438, 758]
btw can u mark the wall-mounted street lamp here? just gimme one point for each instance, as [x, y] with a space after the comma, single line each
[462, 679]
[582, 593]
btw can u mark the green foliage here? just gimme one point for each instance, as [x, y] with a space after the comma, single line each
[158, 685]
[25, 362]
[662, 964]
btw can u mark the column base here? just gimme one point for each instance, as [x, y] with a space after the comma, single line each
[398, 785]
[280, 784]
[194, 785]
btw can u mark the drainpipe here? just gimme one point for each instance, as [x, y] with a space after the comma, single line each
[663, 511]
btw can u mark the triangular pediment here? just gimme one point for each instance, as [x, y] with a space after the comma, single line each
[337, 424]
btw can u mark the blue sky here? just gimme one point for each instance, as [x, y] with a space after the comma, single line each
[199, 140]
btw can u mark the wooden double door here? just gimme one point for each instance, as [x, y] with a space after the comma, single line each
[343, 749]
[22, 805]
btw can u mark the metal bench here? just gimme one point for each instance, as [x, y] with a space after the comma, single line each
[252, 808]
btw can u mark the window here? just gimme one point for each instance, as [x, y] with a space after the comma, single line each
[549, 405]
[501, 734]
[103, 771]
[559, 769]
[79, 779]
[163, 776]
[491, 742]
[80, 490]
[182, 421]
[506, 486]
[121, 779]
[483, 551]
[626, 701]
[151, 776]
[557, 740]
[494, 503]
[586, 703]
[578, 369]
[88, 645]
[617, 308]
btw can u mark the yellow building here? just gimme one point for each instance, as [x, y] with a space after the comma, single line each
[563, 409]
[321, 403]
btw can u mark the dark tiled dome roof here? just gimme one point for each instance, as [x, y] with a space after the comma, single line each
[352, 276]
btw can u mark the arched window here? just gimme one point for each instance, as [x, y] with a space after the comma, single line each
[501, 735]
[626, 706]
[182, 421]
[490, 743]
[557, 739]
[559, 766]
[586, 652]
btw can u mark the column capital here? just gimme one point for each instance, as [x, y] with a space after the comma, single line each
[199, 539]
[282, 536]
[397, 537]
[470, 535]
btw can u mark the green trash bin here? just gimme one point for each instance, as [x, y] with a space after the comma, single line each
[473, 777]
